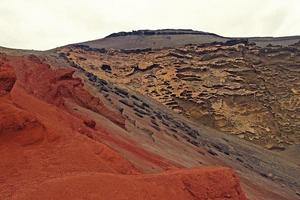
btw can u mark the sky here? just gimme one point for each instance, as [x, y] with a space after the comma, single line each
[46, 24]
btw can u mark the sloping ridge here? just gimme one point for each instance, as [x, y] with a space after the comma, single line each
[153, 39]
[162, 32]
[51, 149]
[170, 38]
[64, 129]
[264, 174]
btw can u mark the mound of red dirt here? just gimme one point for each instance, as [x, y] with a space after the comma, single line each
[205, 183]
[47, 152]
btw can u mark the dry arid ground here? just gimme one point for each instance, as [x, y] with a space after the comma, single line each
[168, 114]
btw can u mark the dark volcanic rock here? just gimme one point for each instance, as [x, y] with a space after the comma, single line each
[106, 67]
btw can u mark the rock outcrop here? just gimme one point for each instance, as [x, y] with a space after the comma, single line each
[71, 130]
[59, 140]
[236, 87]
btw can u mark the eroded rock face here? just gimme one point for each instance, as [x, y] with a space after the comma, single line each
[56, 130]
[237, 88]
[16, 124]
[7, 76]
[71, 130]
[58, 86]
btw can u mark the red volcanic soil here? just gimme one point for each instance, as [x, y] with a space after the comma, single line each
[181, 185]
[49, 153]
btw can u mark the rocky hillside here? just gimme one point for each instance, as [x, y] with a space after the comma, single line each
[235, 87]
[92, 123]
[57, 136]
[157, 39]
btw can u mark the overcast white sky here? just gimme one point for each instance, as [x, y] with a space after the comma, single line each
[45, 24]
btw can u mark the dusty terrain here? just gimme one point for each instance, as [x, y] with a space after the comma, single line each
[82, 123]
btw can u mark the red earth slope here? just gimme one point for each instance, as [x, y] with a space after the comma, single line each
[49, 152]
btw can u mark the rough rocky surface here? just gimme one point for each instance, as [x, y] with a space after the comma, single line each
[237, 88]
[59, 141]
[71, 130]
